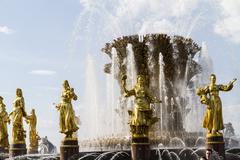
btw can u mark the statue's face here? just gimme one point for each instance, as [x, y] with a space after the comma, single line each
[65, 84]
[33, 112]
[19, 93]
[213, 79]
[140, 81]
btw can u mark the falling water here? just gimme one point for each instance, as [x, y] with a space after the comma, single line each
[162, 90]
[191, 113]
[195, 115]
[112, 95]
[108, 114]
[131, 67]
[151, 66]
[206, 63]
[91, 96]
[186, 95]
[131, 73]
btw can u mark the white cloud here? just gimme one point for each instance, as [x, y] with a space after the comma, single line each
[5, 30]
[43, 72]
[228, 25]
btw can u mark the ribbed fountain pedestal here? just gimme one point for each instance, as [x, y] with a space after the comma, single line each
[68, 148]
[216, 143]
[17, 149]
[140, 148]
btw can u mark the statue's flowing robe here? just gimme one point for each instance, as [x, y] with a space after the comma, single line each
[208, 118]
[213, 119]
[142, 115]
[32, 131]
[67, 115]
[17, 120]
[3, 127]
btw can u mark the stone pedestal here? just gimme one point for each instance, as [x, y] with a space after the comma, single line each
[216, 143]
[2, 150]
[68, 148]
[17, 149]
[140, 148]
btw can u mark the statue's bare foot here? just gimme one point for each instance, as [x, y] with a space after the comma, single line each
[219, 133]
[214, 132]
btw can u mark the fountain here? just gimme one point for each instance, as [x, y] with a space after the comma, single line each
[173, 67]
[169, 65]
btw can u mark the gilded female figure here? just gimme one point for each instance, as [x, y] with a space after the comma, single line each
[141, 117]
[33, 136]
[4, 119]
[213, 120]
[18, 132]
[67, 116]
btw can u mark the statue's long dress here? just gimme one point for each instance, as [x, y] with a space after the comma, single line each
[67, 116]
[17, 120]
[215, 104]
[3, 127]
[142, 111]
[208, 119]
[32, 131]
[208, 116]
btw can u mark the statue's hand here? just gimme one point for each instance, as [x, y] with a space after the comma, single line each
[234, 80]
[199, 91]
[58, 107]
[157, 100]
[124, 77]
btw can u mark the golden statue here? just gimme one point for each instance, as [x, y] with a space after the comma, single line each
[67, 116]
[33, 135]
[18, 132]
[213, 120]
[4, 119]
[142, 116]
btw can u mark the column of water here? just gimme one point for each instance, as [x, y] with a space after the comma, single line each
[114, 93]
[162, 90]
[131, 74]
[92, 98]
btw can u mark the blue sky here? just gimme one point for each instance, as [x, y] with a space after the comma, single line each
[44, 42]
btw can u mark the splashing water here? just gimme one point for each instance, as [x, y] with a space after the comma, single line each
[91, 97]
[162, 92]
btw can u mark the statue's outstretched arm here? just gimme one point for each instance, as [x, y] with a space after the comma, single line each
[127, 93]
[58, 107]
[227, 87]
[202, 90]
[73, 94]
